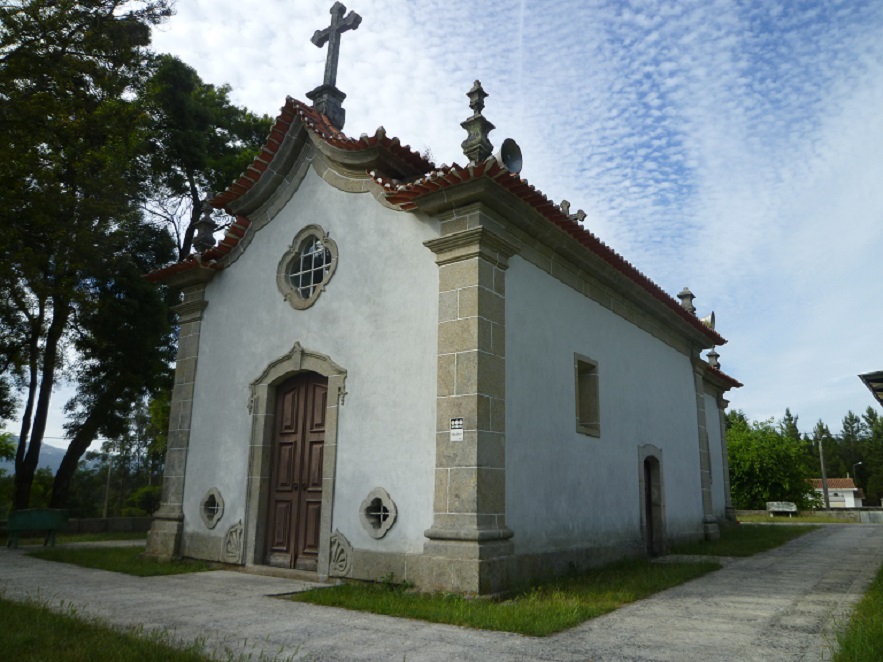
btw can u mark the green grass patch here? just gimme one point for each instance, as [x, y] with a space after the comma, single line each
[862, 638]
[540, 611]
[32, 631]
[120, 559]
[744, 540]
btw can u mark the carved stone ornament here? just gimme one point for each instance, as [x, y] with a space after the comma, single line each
[341, 556]
[378, 512]
[233, 543]
[211, 508]
[477, 147]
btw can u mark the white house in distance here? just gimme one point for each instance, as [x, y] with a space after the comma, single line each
[842, 492]
[389, 366]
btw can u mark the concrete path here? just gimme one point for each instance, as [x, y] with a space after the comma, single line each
[776, 606]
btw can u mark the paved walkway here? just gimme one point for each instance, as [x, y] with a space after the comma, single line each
[776, 606]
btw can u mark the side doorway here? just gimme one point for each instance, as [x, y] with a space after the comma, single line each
[295, 495]
[652, 507]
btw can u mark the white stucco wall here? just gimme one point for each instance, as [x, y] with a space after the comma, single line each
[377, 319]
[565, 489]
[712, 424]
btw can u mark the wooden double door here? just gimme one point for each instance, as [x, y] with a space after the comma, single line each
[295, 504]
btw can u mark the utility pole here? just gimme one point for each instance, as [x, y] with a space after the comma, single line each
[107, 487]
[820, 439]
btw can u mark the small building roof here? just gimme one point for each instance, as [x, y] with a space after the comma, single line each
[834, 483]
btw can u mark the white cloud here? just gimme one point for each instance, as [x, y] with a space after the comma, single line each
[733, 147]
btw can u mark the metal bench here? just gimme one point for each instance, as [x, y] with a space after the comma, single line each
[43, 520]
[781, 507]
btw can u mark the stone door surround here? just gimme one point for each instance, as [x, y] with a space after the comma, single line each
[262, 403]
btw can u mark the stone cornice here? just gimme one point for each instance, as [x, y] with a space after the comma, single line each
[190, 311]
[196, 275]
[477, 242]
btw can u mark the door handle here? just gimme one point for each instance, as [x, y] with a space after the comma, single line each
[295, 487]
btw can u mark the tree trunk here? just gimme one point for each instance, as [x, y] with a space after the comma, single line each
[85, 435]
[24, 472]
[195, 213]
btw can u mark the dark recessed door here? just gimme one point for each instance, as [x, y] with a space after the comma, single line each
[296, 476]
[652, 507]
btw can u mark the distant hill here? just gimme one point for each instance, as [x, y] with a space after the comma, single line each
[50, 456]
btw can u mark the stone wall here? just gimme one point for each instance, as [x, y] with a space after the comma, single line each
[99, 525]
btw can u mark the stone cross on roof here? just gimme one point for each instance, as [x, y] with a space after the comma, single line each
[326, 98]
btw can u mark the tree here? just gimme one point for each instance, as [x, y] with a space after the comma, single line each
[7, 446]
[764, 465]
[200, 142]
[872, 454]
[123, 342]
[73, 140]
[849, 444]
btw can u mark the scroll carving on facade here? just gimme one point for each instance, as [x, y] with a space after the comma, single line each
[233, 543]
[341, 556]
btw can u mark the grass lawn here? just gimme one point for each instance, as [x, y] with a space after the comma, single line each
[120, 559]
[31, 631]
[541, 611]
[744, 540]
[862, 637]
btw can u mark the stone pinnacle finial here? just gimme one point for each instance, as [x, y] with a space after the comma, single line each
[477, 147]
[476, 95]
[686, 297]
[205, 227]
[713, 357]
[326, 98]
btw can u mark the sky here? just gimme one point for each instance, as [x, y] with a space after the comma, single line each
[734, 147]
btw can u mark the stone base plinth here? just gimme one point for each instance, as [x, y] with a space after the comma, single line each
[164, 539]
[710, 528]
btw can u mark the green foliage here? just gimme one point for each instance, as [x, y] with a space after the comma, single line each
[745, 540]
[41, 490]
[7, 446]
[72, 154]
[200, 142]
[765, 465]
[539, 611]
[143, 501]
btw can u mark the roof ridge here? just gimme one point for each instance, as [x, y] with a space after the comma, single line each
[405, 195]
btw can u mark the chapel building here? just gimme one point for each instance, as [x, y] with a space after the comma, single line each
[435, 372]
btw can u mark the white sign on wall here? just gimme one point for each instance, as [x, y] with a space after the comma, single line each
[456, 429]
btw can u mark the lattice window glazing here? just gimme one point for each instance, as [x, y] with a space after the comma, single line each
[310, 267]
[306, 267]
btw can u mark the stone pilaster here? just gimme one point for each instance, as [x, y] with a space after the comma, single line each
[709, 521]
[164, 538]
[469, 541]
[729, 510]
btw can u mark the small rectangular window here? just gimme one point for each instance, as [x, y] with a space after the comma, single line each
[588, 408]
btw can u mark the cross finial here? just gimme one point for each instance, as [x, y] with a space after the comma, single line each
[327, 99]
[331, 34]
